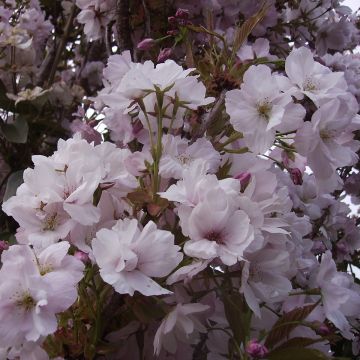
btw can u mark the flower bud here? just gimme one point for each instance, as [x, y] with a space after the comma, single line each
[318, 247]
[3, 245]
[342, 249]
[323, 330]
[256, 350]
[172, 20]
[182, 13]
[146, 44]
[86, 131]
[82, 257]
[164, 54]
[244, 179]
[296, 176]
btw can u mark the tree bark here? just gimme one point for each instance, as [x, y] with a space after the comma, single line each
[123, 25]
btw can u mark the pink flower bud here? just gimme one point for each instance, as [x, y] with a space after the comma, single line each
[342, 249]
[164, 54]
[172, 20]
[182, 13]
[256, 350]
[3, 245]
[244, 179]
[296, 176]
[82, 257]
[146, 44]
[86, 130]
[285, 158]
[323, 329]
[318, 247]
[137, 127]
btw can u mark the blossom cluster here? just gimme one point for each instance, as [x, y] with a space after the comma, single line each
[200, 206]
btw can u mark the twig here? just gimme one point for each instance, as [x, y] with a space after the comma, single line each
[13, 67]
[3, 181]
[108, 36]
[211, 117]
[84, 60]
[62, 45]
[123, 25]
[46, 65]
[147, 19]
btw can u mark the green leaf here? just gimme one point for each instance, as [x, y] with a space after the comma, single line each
[8, 237]
[139, 197]
[224, 169]
[288, 322]
[297, 353]
[238, 316]
[14, 181]
[145, 309]
[247, 27]
[16, 132]
[299, 342]
[5, 102]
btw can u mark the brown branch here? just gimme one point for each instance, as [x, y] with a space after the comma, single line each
[62, 45]
[210, 117]
[13, 69]
[46, 65]
[84, 60]
[147, 19]
[108, 38]
[123, 26]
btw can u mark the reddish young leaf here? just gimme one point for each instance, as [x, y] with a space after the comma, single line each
[288, 322]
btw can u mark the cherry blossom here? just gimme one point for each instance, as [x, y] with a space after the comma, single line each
[129, 257]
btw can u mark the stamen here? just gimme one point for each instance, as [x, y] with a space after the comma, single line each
[215, 236]
[264, 108]
[50, 222]
[27, 301]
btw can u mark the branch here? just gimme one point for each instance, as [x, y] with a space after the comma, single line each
[84, 60]
[45, 67]
[13, 67]
[62, 45]
[108, 37]
[123, 25]
[211, 116]
[147, 19]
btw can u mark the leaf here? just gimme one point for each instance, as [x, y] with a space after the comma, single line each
[298, 342]
[190, 63]
[297, 353]
[224, 169]
[146, 310]
[238, 316]
[288, 322]
[247, 27]
[202, 29]
[139, 197]
[14, 181]
[17, 131]
[156, 207]
[5, 102]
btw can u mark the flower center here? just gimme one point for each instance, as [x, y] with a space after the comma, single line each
[327, 134]
[45, 269]
[309, 85]
[184, 159]
[215, 236]
[50, 222]
[27, 302]
[264, 108]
